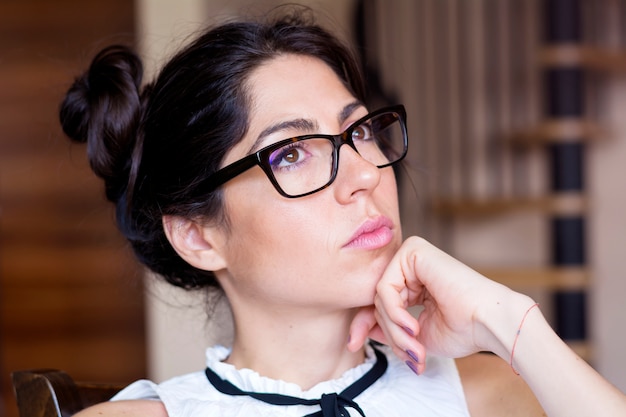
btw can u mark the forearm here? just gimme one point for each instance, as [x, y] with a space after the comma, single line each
[564, 384]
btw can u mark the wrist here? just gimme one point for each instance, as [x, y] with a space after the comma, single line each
[499, 322]
[517, 335]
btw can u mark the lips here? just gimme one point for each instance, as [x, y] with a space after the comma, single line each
[373, 234]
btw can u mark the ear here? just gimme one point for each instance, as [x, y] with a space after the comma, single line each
[194, 242]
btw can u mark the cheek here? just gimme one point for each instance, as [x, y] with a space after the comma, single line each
[264, 228]
[270, 252]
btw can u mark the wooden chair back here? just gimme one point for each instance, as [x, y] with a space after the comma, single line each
[53, 393]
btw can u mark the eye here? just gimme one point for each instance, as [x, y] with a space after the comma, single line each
[291, 156]
[362, 132]
[288, 156]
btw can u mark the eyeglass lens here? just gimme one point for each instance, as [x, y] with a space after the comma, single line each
[306, 165]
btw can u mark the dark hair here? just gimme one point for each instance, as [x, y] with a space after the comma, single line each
[153, 145]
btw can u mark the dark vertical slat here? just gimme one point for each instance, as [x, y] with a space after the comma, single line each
[565, 98]
[453, 91]
[505, 186]
[565, 94]
[563, 21]
[478, 109]
[566, 160]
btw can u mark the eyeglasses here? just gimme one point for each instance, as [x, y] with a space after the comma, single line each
[306, 164]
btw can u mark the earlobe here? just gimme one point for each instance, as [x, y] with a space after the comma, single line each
[194, 243]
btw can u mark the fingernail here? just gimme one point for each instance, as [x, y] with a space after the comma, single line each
[413, 367]
[413, 356]
[409, 331]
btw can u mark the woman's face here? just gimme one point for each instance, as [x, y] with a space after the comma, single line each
[325, 250]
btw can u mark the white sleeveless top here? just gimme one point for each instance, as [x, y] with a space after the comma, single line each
[399, 392]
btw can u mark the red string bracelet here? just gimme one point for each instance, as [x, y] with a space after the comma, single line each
[519, 330]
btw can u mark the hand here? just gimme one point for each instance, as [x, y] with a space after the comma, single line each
[456, 300]
[464, 312]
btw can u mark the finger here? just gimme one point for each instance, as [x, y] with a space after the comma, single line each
[402, 337]
[398, 325]
[362, 325]
[378, 335]
[393, 302]
[403, 343]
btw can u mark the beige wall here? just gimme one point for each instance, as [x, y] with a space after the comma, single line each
[607, 238]
[175, 323]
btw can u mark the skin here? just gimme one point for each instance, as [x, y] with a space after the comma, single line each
[286, 269]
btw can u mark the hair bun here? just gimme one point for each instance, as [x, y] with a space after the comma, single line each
[103, 108]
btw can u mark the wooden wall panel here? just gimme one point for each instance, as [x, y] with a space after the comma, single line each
[70, 291]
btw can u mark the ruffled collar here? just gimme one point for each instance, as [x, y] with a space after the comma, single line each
[249, 380]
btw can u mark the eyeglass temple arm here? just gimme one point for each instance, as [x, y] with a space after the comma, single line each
[227, 173]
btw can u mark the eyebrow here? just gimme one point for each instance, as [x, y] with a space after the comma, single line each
[302, 125]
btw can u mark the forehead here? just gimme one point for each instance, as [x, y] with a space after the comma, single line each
[295, 86]
[292, 87]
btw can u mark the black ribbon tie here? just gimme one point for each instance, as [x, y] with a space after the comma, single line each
[332, 404]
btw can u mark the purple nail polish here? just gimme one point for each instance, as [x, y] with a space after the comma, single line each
[413, 367]
[409, 331]
[413, 356]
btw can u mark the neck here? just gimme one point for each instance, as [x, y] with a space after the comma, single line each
[304, 348]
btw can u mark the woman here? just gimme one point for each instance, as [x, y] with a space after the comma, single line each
[229, 171]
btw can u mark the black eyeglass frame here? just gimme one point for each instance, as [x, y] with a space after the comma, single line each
[261, 157]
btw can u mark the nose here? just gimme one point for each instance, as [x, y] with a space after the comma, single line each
[355, 175]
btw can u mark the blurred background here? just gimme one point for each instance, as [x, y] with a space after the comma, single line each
[517, 165]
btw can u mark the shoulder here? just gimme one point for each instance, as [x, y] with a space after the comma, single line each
[129, 408]
[492, 388]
